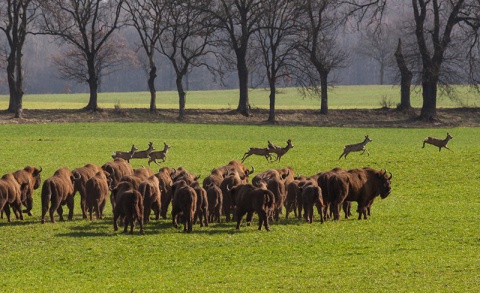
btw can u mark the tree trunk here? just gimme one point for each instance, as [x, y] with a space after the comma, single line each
[324, 93]
[181, 97]
[429, 108]
[19, 83]
[93, 86]
[11, 82]
[151, 87]
[406, 79]
[243, 103]
[271, 113]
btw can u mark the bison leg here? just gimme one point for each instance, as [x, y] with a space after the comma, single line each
[263, 219]
[116, 214]
[102, 208]
[239, 218]
[6, 209]
[83, 206]
[70, 204]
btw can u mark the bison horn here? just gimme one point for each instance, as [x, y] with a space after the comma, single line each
[40, 171]
[390, 175]
[250, 172]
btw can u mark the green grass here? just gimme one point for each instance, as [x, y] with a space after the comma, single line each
[422, 238]
[369, 96]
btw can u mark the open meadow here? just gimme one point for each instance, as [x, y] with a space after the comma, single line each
[424, 237]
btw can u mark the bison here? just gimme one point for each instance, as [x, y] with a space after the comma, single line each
[164, 177]
[312, 196]
[58, 190]
[249, 199]
[97, 188]
[11, 195]
[184, 203]
[83, 174]
[202, 204]
[31, 176]
[215, 201]
[129, 206]
[150, 191]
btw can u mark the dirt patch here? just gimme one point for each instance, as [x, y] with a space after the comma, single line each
[448, 117]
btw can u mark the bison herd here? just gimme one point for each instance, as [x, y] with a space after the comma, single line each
[225, 194]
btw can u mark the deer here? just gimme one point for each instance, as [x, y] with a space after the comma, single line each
[125, 155]
[259, 152]
[440, 143]
[153, 156]
[356, 148]
[281, 151]
[144, 154]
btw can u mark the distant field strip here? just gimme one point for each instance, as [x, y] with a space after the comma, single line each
[342, 97]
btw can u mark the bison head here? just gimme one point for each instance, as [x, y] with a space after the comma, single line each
[386, 188]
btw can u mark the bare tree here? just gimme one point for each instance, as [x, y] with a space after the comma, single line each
[446, 37]
[184, 40]
[379, 45]
[237, 21]
[319, 48]
[86, 26]
[276, 42]
[146, 17]
[406, 76]
[15, 19]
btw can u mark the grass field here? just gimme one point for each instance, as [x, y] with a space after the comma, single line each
[424, 237]
[369, 96]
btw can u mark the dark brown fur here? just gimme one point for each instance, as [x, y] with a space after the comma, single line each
[97, 188]
[248, 200]
[31, 176]
[11, 195]
[81, 176]
[215, 201]
[150, 191]
[129, 206]
[184, 204]
[58, 190]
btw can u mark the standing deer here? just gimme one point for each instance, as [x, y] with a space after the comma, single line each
[280, 151]
[153, 156]
[125, 155]
[144, 154]
[440, 143]
[356, 148]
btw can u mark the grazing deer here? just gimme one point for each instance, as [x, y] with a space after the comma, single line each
[259, 152]
[153, 156]
[144, 154]
[281, 151]
[440, 143]
[356, 148]
[125, 155]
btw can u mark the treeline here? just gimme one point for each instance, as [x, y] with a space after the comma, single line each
[119, 45]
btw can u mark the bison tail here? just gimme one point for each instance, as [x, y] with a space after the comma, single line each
[270, 199]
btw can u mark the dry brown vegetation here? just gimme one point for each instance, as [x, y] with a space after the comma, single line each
[446, 117]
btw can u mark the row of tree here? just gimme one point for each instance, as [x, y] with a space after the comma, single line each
[292, 42]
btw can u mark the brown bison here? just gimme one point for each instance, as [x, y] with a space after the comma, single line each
[249, 199]
[227, 184]
[31, 176]
[312, 196]
[118, 168]
[202, 204]
[164, 177]
[11, 194]
[184, 204]
[215, 201]
[97, 188]
[58, 190]
[83, 174]
[129, 206]
[150, 191]
[275, 182]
